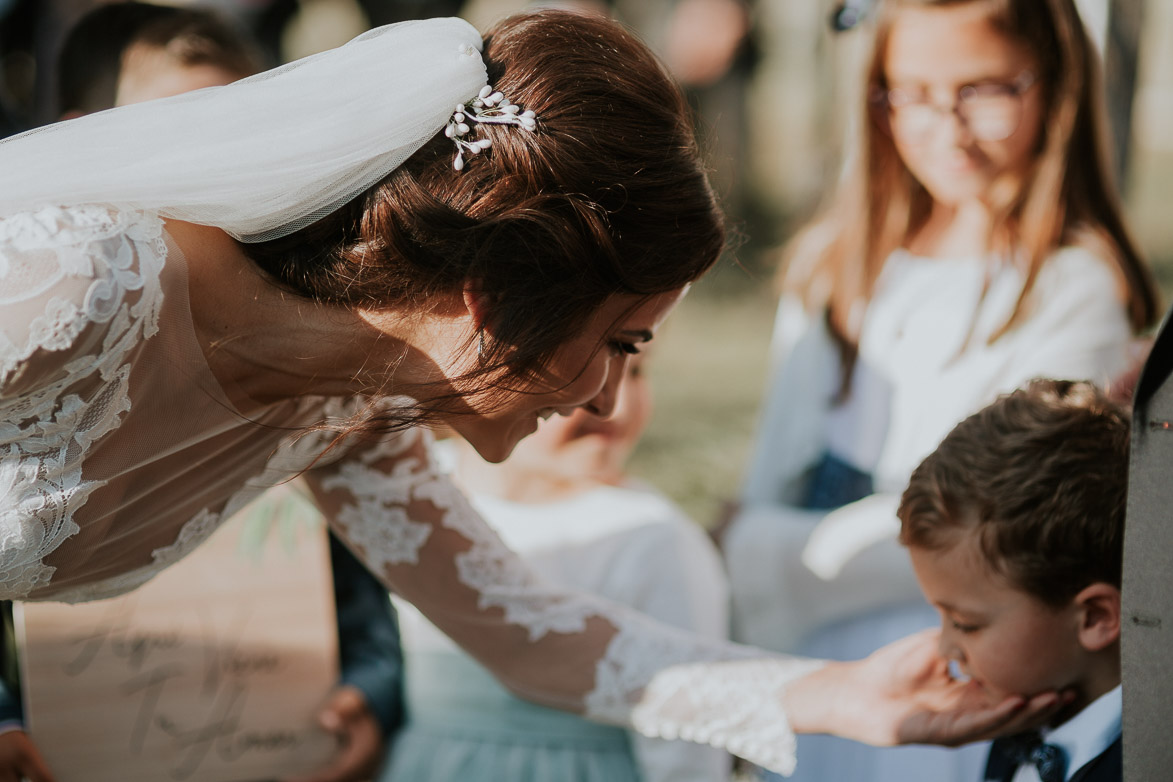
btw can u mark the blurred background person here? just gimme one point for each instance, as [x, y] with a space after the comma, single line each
[271, 20]
[975, 242]
[32, 33]
[129, 52]
[564, 501]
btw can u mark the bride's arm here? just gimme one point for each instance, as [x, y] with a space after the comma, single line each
[575, 652]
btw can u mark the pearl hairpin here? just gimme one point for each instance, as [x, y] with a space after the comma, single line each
[488, 107]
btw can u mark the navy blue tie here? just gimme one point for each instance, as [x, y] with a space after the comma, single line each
[1029, 748]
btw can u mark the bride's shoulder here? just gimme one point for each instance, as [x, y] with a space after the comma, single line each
[51, 227]
[88, 255]
[75, 281]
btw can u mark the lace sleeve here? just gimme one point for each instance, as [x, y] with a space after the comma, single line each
[415, 531]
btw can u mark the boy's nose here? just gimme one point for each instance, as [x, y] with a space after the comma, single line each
[946, 648]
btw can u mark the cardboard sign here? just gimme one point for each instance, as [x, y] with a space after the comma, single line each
[213, 671]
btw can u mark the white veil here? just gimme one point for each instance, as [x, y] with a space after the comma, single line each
[264, 156]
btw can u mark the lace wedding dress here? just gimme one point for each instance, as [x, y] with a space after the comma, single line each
[120, 452]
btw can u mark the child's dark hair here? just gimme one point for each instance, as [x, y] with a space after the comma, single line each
[1040, 476]
[91, 57]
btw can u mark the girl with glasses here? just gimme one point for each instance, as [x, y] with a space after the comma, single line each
[975, 241]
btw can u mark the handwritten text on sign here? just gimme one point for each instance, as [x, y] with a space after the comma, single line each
[214, 671]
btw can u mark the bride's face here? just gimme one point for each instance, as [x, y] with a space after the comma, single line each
[585, 373]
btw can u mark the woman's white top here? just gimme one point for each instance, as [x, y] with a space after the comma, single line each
[628, 544]
[120, 452]
[918, 374]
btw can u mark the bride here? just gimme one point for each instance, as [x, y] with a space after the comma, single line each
[298, 273]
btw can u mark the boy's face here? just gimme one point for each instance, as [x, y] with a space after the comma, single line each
[1008, 641]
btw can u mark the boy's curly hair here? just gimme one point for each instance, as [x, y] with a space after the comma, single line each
[1040, 476]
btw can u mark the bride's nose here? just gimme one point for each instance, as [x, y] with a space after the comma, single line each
[602, 404]
[948, 648]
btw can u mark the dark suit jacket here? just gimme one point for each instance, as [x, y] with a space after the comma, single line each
[368, 643]
[368, 637]
[1105, 767]
[1147, 653]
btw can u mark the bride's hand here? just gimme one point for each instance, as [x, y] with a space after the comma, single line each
[903, 694]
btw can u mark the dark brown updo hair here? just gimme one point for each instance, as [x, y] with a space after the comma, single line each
[608, 196]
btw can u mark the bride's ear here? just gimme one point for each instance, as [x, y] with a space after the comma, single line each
[476, 302]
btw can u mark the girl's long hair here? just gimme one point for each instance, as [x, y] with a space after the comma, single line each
[1067, 197]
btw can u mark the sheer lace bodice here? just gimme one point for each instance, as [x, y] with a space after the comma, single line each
[120, 452]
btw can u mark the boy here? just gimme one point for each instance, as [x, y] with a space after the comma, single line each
[1015, 528]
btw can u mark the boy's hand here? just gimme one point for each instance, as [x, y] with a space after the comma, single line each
[903, 694]
[20, 760]
[360, 738]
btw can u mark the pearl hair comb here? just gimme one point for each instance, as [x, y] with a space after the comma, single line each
[488, 107]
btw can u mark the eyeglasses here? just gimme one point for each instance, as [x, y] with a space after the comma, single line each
[991, 111]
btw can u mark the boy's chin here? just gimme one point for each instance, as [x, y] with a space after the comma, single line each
[995, 694]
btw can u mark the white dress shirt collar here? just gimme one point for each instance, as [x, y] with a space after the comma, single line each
[1083, 737]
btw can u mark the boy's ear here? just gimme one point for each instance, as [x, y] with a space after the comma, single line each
[1098, 607]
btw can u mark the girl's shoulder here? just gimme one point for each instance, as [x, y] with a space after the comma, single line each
[1085, 246]
[1082, 278]
[1085, 262]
